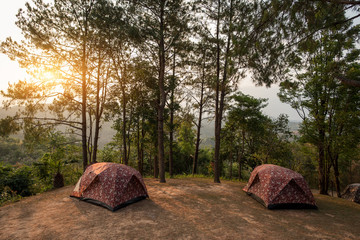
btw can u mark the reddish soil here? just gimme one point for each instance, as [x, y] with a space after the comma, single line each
[180, 209]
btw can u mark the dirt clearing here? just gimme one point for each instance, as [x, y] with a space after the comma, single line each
[179, 209]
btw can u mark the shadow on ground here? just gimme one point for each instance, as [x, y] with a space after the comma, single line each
[179, 209]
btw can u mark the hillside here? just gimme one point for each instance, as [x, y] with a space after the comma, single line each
[207, 132]
[179, 209]
[107, 133]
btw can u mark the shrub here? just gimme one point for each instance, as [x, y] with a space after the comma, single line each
[8, 195]
[15, 182]
[20, 180]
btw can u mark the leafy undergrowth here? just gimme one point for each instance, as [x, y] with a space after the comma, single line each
[182, 208]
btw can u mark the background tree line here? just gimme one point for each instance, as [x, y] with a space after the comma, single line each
[159, 69]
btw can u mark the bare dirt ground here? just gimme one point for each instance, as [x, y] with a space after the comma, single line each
[179, 209]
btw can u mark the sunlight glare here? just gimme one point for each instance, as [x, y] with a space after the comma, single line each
[48, 76]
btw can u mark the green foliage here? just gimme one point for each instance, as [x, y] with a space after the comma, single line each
[13, 151]
[186, 138]
[304, 161]
[8, 195]
[204, 161]
[8, 126]
[110, 153]
[329, 109]
[16, 179]
[254, 137]
[113, 58]
[60, 152]
[59, 155]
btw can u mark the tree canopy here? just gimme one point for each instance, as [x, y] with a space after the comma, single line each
[159, 70]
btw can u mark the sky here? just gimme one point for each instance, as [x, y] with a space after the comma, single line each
[11, 72]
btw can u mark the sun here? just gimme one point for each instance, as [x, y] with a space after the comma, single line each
[48, 76]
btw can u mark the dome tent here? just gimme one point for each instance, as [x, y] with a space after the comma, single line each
[352, 192]
[279, 187]
[110, 185]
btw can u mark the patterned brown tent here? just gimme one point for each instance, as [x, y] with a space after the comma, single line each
[352, 192]
[278, 187]
[110, 185]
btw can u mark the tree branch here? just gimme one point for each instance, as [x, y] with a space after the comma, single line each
[349, 82]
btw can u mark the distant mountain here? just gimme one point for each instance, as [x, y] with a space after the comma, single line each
[294, 127]
[208, 132]
[106, 132]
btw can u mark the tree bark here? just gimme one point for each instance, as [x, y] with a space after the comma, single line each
[171, 144]
[197, 145]
[97, 112]
[322, 167]
[328, 165]
[220, 90]
[84, 98]
[349, 82]
[231, 165]
[156, 167]
[90, 136]
[172, 110]
[96, 134]
[337, 174]
[138, 146]
[239, 167]
[241, 154]
[141, 169]
[201, 105]
[128, 136]
[125, 159]
[217, 116]
[162, 94]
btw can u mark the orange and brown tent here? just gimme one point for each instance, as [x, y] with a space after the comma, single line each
[279, 187]
[110, 185]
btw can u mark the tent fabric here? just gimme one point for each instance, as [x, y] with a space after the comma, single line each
[111, 185]
[352, 192]
[279, 187]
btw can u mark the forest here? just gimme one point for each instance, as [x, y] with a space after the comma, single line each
[157, 71]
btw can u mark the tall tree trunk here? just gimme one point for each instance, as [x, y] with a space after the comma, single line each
[172, 110]
[220, 90]
[141, 169]
[241, 154]
[240, 166]
[83, 102]
[161, 105]
[128, 135]
[197, 144]
[231, 165]
[321, 161]
[90, 136]
[96, 136]
[156, 166]
[217, 116]
[327, 174]
[239, 160]
[201, 105]
[125, 159]
[138, 146]
[337, 174]
[97, 112]
[171, 144]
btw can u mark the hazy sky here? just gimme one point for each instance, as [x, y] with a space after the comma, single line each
[11, 72]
